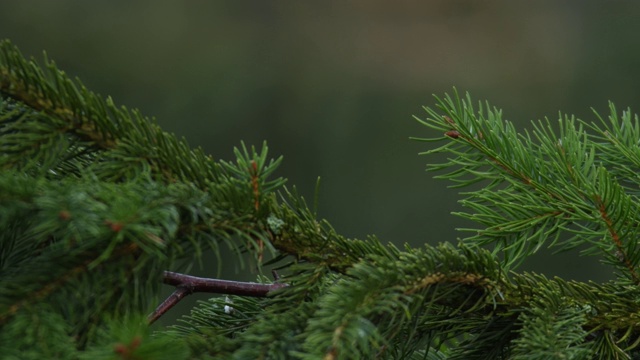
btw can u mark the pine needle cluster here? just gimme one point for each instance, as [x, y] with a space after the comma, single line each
[97, 202]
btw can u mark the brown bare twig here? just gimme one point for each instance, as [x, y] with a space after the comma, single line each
[187, 284]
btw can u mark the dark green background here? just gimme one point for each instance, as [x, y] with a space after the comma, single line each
[332, 86]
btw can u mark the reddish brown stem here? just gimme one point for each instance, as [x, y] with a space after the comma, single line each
[187, 284]
[622, 255]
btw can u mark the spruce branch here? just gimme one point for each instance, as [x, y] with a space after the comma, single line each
[563, 182]
[615, 237]
[98, 207]
[98, 126]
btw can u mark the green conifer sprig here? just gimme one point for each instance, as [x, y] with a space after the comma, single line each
[91, 189]
[543, 184]
[53, 112]
[96, 201]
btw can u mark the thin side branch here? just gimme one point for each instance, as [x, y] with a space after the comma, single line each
[620, 249]
[168, 303]
[187, 284]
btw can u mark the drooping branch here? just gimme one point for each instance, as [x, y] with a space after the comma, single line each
[187, 284]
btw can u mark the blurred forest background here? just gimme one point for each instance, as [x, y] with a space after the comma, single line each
[332, 86]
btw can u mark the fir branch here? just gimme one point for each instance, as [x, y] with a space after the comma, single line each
[294, 230]
[135, 141]
[620, 249]
[97, 202]
[537, 190]
[78, 228]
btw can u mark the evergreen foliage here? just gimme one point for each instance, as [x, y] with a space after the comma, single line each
[97, 201]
